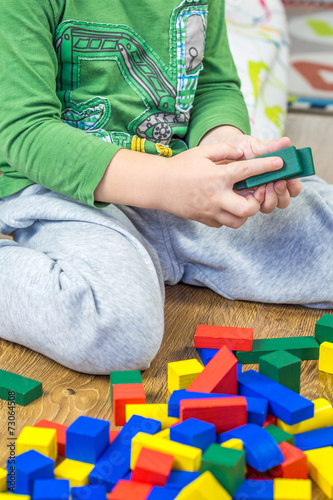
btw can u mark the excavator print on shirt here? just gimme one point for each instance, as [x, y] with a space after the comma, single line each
[166, 92]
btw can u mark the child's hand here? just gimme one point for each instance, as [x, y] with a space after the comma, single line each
[196, 187]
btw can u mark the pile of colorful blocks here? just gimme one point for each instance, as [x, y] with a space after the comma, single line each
[224, 433]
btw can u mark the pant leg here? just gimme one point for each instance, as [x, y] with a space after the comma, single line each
[78, 285]
[285, 257]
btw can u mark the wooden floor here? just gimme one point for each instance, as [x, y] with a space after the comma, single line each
[68, 394]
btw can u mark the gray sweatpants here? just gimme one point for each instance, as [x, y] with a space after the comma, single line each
[86, 286]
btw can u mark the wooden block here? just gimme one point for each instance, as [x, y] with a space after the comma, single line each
[152, 467]
[224, 413]
[320, 467]
[302, 347]
[226, 464]
[126, 377]
[323, 417]
[282, 402]
[205, 487]
[26, 389]
[326, 357]
[76, 472]
[279, 435]
[87, 438]
[61, 434]
[235, 444]
[318, 438]
[194, 432]
[118, 453]
[262, 451]
[162, 493]
[13, 496]
[124, 394]
[112, 435]
[283, 367]
[292, 489]
[182, 373]
[25, 468]
[124, 490]
[156, 411]
[51, 489]
[294, 465]
[255, 490]
[324, 329]
[178, 479]
[39, 439]
[206, 354]
[164, 434]
[219, 375]
[270, 420]
[91, 492]
[185, 457]
[215, 337]
[3, 479]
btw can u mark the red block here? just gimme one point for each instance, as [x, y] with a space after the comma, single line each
[295, 465]
[61, 434]
[224, 413]
[219, 375]
[126, 490]
[214, 337]
[124, 394]
[270, 420]
[152, 467]
[113, 435]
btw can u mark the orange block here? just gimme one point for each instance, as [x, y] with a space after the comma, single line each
[295, 465]
[270, 420]
[113, 435]
[224, 413]
[123, 394]
[125, 490]
[214, 337]
[219, 375]
[60, 431]
[152, 467]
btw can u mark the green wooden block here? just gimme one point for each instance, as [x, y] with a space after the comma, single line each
[226, 464]
[26, 389]
[302, 347]
[127, 377]
[279, 435]
[282, 367]
[324, 329]
[306, 159]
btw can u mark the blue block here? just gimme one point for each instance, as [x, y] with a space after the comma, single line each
[206, 354]
[239, 368]
[162, 493]
[25, 468]
[92, 492]
[256, 410]
[51, 489]
[177, 396]
[261, 449]
[178, 479]
[255, 490]
[282, 402]
[194, 432]
[86, 439]
[318, 438]
[115, 461]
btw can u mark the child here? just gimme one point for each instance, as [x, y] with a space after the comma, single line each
[123, 132]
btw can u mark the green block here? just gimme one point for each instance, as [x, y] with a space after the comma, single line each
[324, 329]
[129, 377]
[282, 367]
[297, 163]
[279, 435]
[26, 389]
[302, 347]
[226, 464]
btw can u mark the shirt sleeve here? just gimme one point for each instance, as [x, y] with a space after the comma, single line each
[218, 99]
[33, 139]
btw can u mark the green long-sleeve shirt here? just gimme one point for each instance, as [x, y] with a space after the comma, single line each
[81, 79]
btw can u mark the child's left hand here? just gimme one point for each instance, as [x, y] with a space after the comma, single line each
[272, 195]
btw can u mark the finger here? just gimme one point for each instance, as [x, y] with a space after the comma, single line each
[230, 220]
[294, 187]
[219, 152]
[263, 147]
[247, 168]
[283, 195]
[271, 199]
[239, 206]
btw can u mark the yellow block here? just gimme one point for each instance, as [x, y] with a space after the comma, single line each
[292, 489]
[39, 439]
[326, 357]
[182, 373]
[323, 417]
[205, 487]
[77, 472]
[165, 434]
[235, 444]
[13, 496]
[155, 411]
[185, 457]
[320, 468]
[3, 479]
